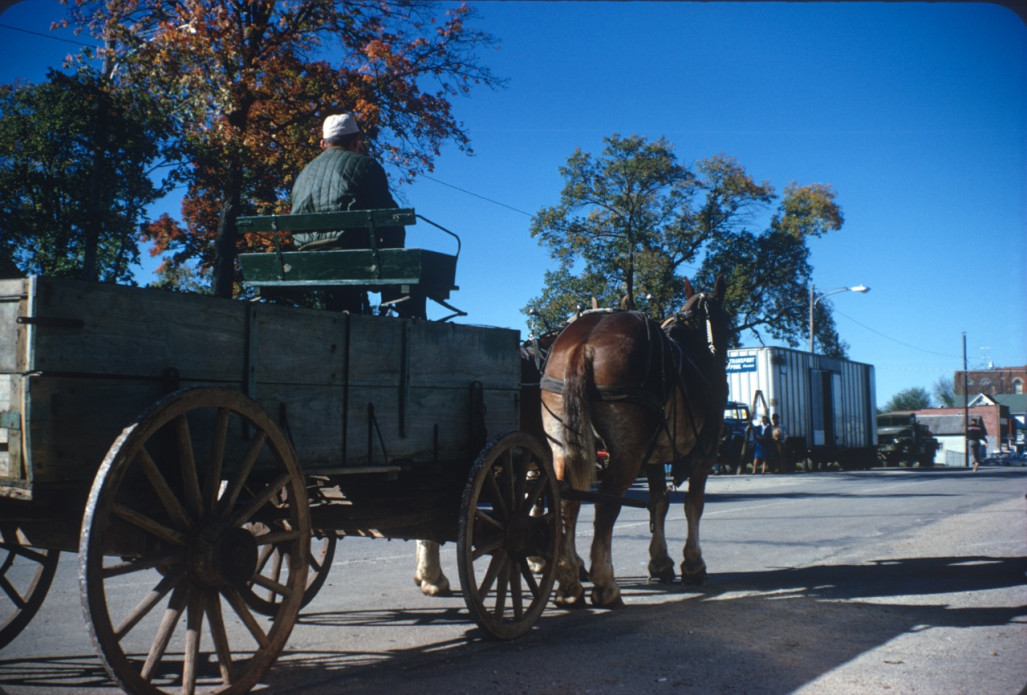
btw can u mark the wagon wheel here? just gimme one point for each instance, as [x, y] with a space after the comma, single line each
[271, 565]
[510, 513]
[180, 498]
[25, 576]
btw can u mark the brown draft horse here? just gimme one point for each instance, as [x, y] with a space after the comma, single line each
[651, 395]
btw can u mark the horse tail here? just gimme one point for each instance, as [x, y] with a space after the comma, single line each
[579, 436]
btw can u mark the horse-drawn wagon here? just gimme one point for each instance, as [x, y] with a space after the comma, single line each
[202, 455]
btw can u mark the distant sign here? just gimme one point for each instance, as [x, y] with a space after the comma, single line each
[741, 363]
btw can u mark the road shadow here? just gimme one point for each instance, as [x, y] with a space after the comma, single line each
[773, 631]
[758, 632]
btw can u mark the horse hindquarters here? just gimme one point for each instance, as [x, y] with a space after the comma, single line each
[579, 444]
[567, 421]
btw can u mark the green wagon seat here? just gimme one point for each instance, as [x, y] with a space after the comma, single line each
[407, 269]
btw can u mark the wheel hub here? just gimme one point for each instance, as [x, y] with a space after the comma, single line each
[224, 556]
[528, 536]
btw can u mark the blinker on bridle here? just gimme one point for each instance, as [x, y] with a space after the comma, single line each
[686, 315]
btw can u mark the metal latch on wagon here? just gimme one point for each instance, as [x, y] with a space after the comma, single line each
[10, 420]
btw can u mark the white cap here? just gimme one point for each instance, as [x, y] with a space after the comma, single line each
[340, 124]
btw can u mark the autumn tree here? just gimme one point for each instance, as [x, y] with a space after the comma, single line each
[76, 175]
[633, 222]
[252, 81]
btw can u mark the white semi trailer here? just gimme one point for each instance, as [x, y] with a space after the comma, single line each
[827, 405]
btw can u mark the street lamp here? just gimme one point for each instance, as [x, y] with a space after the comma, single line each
[813, 299]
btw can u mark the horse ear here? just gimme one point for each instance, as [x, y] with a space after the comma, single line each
[720, 288]
[688, 290]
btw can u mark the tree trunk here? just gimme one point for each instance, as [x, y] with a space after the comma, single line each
[227, 234]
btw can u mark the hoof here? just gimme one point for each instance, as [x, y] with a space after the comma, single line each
[435, 589]
[440, 587]
[570, 599]
[695, 578]
[536, 564]
[663, 575]
[607, 598]
[693, 574]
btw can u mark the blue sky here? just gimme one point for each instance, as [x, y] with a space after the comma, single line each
[916, 114]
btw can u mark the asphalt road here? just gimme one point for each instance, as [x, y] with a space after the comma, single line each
[898, 581]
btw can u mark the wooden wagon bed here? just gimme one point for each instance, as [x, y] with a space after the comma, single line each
[357, 395]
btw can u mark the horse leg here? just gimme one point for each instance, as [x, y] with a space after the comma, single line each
[566, 466]
[605, 591]
[661, 567]
[569, 591]
[428, 574]
[693, 569]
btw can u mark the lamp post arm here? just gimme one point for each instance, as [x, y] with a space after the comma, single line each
[813, 299]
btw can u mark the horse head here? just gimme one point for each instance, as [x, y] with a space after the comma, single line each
[702, 318]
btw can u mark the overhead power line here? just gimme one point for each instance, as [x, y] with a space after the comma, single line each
[898, 342]
[48, 36]
[476, 195]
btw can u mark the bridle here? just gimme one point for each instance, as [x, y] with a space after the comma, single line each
[688, 316]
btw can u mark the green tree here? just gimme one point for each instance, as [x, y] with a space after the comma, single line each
[632, 221]
[76, 161]
[914, 398]
[252, 82]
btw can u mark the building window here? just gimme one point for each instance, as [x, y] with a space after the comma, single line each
[1017, 385]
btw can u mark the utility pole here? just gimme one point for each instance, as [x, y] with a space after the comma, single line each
[966, 408]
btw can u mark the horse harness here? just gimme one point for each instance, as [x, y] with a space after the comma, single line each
[668, 380]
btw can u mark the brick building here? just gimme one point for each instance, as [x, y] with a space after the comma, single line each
[992, 381]
[949, 427]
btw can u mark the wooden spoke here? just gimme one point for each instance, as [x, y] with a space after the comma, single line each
[160, 485]
[521, 482]
[220, 638]
[216, 459]
[535, 492]
[25, 577]
[276, 574]
[509, 488]
[243, 611]
[274, 565]
[193, 630]
[272, 586]
[516, 597]
[149, 525]
[488, 520]
[131, 566]
[164, 633]
[529, 577]
[488, 546]
[260, 500]
[187, 462]
[28, 553]
[495, 495]
[231, 495]
[276, 537]
[493, 571]
[12, 593]
[145, 606]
